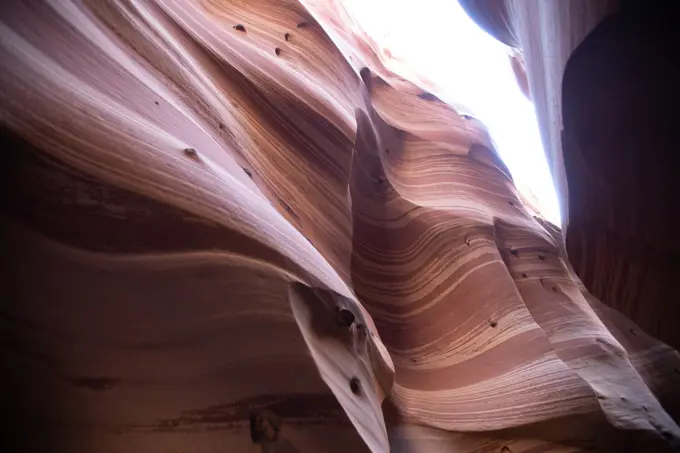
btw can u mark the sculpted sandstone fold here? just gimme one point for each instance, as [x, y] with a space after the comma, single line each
[232, 228]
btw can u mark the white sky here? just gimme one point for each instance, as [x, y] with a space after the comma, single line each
[438, 41]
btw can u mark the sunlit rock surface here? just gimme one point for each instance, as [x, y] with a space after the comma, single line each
[230, 228]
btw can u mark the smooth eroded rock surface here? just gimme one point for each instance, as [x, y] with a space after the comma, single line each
[230, 228]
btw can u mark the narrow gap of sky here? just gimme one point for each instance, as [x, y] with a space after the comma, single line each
[437, 40]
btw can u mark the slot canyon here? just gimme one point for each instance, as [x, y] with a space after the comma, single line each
[229, 227]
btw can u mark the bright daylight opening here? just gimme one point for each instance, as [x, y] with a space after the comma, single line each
[436, 40]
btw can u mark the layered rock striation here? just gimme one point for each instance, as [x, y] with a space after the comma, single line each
[231, 228]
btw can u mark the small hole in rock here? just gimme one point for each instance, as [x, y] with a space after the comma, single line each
[221, 126]
[428, 96]
[286, 36]
[248, 172]
[514, 252]
[387, 151]
[302, 24]
[468, 242]
[541, 257]
[355, 386]
[345, 317]
[632, 331]
[365, 75]
[156, 102]
[191, 153]
[511, 203]
[277, 51]
[493, 323]
[554, 288]
[239, 27]
[644, 408]
[264, 427]
[601, 397]
[524, 275]
[467, 117]
[506, 450]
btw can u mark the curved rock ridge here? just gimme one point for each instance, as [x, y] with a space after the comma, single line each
[232, 228]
